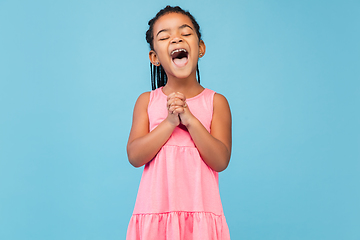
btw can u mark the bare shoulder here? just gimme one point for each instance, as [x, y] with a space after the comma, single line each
[140, 109]
[221, 103]
[143, 99]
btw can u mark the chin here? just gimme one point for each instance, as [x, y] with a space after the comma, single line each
[182, 75]
[185, 72]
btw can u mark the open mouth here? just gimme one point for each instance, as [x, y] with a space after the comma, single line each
[179, 57]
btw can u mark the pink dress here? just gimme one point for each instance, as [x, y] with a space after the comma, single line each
[178, 197]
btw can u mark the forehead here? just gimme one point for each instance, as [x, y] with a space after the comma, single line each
[171, 20]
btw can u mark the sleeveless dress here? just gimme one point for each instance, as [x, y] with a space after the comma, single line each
[178, 196]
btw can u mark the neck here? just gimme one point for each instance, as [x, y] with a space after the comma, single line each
[188, 86]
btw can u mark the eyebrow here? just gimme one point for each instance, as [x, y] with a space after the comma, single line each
[167, 29]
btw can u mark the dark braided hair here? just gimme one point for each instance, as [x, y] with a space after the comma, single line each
[158, 75]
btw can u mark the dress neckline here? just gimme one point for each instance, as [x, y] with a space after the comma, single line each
[187, 99]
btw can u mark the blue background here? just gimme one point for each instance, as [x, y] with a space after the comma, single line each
[71, 71]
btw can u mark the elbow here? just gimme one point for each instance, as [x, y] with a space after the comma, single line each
[133, 161]
[134, 164]
[223, 160]
[222, 164]
[218, 162]
[221, 167]
[133, 158]
[137, 158]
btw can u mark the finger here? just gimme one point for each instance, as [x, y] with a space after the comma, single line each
[174, 102]
[172, 109]
[180, 96]
[171, 95]
[181, 103]
[171, 102]
[179, 110]
[177, 99]
[172, 98]
[178, 102]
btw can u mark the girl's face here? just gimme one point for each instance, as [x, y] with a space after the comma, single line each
[176, 45]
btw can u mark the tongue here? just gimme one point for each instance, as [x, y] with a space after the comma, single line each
[180, 62]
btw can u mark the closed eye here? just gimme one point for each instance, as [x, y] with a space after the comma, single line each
[164, 38]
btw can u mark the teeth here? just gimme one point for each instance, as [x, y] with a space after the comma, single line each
[178, 50]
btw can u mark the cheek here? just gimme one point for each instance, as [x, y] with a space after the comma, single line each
[160, 50]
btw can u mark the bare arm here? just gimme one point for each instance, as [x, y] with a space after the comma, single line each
[214, 147]
[143, 145]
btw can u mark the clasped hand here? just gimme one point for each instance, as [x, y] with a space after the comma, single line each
[178, 111]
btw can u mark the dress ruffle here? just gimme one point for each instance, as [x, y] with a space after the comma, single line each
[178, 226]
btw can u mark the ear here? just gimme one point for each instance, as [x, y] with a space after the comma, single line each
[153, 58]
[202, 48]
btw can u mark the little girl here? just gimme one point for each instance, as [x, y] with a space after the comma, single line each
[181, 132]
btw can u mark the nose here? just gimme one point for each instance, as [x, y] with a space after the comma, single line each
[176, 40]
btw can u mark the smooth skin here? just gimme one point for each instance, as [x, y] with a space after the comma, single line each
[173, 31]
